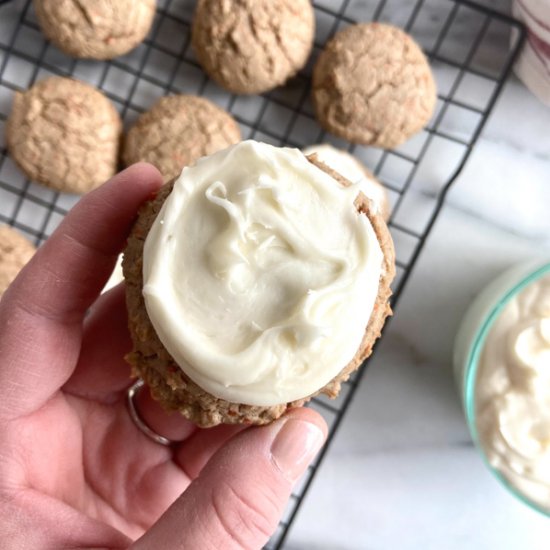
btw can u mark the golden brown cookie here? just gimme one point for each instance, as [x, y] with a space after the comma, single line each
[65, 134]
[15, 252]
[373, 85]
[177, 131]
[95, 29]
[251, 46]
[169, 384]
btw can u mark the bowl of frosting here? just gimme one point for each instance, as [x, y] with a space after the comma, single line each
[502, 366]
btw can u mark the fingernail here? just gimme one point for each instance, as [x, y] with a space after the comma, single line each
[295, 446]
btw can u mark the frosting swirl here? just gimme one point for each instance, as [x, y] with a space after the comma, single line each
[513, 392]
[260, 275]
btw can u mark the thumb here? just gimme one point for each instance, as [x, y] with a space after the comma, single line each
[240, 495]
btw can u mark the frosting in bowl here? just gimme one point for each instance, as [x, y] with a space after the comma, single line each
[260, 275]
[512, 392]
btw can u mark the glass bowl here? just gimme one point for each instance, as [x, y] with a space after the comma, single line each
[469, 343]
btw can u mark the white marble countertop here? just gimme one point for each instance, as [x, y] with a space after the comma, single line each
[402, 472]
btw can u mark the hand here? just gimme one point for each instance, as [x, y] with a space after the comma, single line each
[75, 472]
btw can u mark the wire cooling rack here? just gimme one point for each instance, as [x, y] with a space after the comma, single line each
[471, 54]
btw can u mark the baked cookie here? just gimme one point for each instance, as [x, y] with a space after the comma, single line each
[373, 85]
[65, 134]
[353, 170]
[95, 29]
[177, 131]
[252, 46]
[15, 252]
[221, 269]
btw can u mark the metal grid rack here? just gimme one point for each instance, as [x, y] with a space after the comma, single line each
[470, 54]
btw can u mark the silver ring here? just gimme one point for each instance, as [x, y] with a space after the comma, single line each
[138, 421]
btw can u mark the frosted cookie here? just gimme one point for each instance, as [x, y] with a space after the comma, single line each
[251, 46]
[254, 281]
[15, 252]
[95, 29]
[373, 85]
[177, 131]
[65, 134]
[353, 170]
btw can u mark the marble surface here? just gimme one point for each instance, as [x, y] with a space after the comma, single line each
[402, 472]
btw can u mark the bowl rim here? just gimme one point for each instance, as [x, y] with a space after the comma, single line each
[471, 369]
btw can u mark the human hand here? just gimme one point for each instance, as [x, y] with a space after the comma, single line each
[75, 471]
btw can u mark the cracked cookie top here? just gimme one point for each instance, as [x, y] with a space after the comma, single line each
[373, 85]
[251, 46]
[65, 134]
[177, 131]
[95, 29]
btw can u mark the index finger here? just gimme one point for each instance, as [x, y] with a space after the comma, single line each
[41, 314]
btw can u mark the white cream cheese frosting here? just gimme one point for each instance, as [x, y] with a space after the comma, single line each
[260, 275]
[348, 166]
[513, 392]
